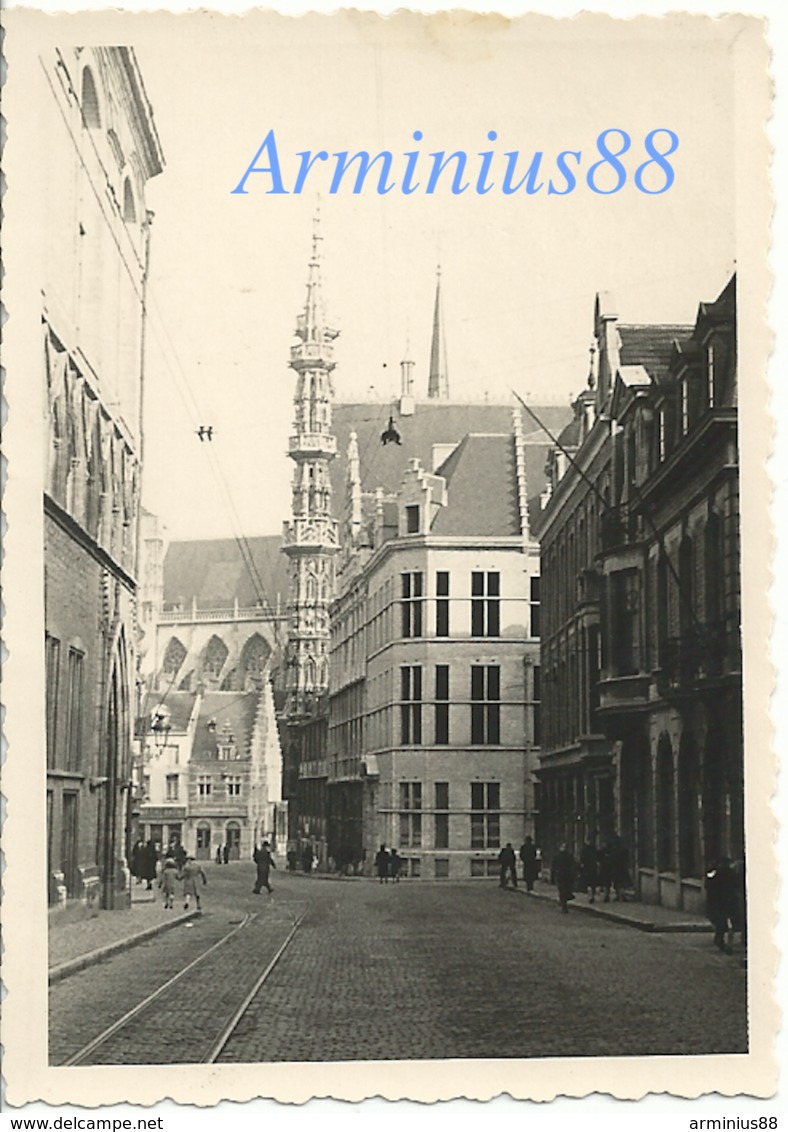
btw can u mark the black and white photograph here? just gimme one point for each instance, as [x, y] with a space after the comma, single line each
[387, 557]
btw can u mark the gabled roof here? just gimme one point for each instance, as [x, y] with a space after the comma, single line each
[179, 705]
[650, 346]
[432, 422]
[214, 572]
[238, 710]
[482, 489]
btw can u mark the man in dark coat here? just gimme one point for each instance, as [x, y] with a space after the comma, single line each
[382, 862]
[722, 904]
[265, 862]
[530, 863]
[149, 857]
[135, 863]
[508, 863]
[307, 857]
[564, 876]
[589, 868]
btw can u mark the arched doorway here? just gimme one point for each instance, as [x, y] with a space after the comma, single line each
[690, 854]
[666, 806]
[232, 839]
[203, 846]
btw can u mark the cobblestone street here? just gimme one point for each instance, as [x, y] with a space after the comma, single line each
[407, 971]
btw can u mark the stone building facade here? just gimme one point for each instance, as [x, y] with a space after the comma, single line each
[646, 597]
[102, 147]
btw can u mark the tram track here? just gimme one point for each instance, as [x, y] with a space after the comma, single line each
[174, 1021]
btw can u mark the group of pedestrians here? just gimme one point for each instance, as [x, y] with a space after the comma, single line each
[604, 868]
[529, 856]
[388, 865]
[190, 874]
[306, 856]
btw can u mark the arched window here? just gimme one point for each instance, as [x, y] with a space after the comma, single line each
[91, 114]
[214, 657]
[174, 656]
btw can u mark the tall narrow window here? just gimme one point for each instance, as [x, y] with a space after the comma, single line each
[410, 708]
[536, 608]
[441, 815]
[684, 387]
[410, 814]
[412, 604]
[485, 604]
[485, 704]
[52, 661]
[442, 603]
[485, 815]
[412, 519]
[710, 375]
[537, 698]
[172, 788]
[74, 709]
[441, 703]
[204, 786]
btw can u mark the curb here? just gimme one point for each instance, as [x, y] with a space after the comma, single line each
[628, 921]
[72, 966]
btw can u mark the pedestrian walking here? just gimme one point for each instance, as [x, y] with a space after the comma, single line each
[307, 857]
[382, 863]
[265, 862]
[292, 859]
[740, 921]
[530, 861]
[149, 860]
[722, 890]
[179, 855]
[168, 880]
[589, 869]
[563, 876]
[191, 874]
[135, 863]
[218, 857]
[508, 863]
[395, 864]
[613, 867]
[226, 853]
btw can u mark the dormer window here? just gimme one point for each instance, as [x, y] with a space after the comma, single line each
[412, 518]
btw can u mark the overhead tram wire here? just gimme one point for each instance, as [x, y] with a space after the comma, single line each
[193, 411]
[684, 595]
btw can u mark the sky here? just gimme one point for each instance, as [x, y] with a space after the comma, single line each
[519, 272]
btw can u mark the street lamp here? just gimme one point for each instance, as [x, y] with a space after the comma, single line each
[160, 726]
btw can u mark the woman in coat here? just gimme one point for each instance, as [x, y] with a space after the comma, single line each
[564, 876]
[148, 859]
[169, 875]
[190, 875]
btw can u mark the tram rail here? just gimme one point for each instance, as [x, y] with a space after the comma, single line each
[85, 1055]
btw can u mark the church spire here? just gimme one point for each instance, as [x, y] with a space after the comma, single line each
[311, 538]
[438, 387]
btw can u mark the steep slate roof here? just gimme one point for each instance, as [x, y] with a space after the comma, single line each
[650, 346]
[179, 705]
[237, 709]
[214, 572]
[482, 489]
[437, 422]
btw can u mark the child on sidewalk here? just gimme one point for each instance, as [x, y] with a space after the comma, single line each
[169, 875]
[190, 875]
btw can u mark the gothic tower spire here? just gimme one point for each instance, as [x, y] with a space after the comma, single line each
[438, 387]
[311, 538]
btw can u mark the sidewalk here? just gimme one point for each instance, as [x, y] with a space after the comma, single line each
[77, 942]
[644, 917]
